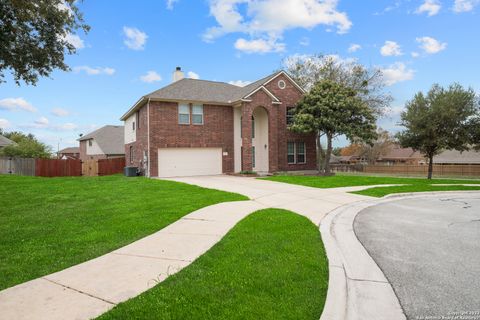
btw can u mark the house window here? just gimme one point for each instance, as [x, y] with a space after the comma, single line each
[253, 157]
[253, 127]
[290, 114]
[133, 125]
[183, 114]
[131, 154]
[300, 146]
[90, 142]
[296, 153]
[197, 114]
[291, 152]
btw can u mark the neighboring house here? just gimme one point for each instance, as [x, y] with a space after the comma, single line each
[5, 142]
[69, 153]
[457, 157]
[399, 155]
[197, 127]
[104, 143]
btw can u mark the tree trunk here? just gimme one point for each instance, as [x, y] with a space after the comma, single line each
[320, 154]
[430, 166]
[328, 154]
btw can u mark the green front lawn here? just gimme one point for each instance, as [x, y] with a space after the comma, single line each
[272, 265]
[383, 191]
[49, 224]
[350, 180]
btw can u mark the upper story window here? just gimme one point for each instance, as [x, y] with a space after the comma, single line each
[90, 143]
[290, 114]
[197, 114]
[133, 125]
[281, 84]
[183, 114]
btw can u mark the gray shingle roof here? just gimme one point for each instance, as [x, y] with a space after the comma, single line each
[206, 91]
[110, 139]
[453, 156]
[202, 91]
[5, 141]
[70, 150]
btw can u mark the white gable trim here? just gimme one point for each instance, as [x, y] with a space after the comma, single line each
[275, 99]
[288, 77]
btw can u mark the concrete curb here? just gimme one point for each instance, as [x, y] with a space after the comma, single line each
[357, 287]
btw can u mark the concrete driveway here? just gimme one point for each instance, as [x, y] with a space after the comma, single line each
[429, 250]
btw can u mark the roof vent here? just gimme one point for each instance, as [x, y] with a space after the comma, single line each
[178, 74]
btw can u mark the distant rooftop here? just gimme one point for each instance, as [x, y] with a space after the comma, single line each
[109, 138]
[5, 141]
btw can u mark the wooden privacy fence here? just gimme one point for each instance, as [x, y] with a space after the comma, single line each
[110, 166]
[103, 167]
[60, 168]
[20, 166]
[461, 170]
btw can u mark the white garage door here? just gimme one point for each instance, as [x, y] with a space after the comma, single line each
[184, 162]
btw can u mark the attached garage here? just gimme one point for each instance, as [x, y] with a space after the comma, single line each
[184, 162]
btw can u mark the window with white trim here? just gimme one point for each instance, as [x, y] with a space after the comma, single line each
[300, 149]
[296, 153]
[197, 114]
[183, 114]
[290, 114]
[291, 152]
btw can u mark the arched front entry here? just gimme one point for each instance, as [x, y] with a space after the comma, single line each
[260, 158]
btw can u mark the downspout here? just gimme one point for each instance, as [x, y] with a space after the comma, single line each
[148, 137]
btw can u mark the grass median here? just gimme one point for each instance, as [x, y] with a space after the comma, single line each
[271, 265]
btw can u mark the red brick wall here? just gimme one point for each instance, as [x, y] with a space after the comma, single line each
[279, 135]
[216, 132]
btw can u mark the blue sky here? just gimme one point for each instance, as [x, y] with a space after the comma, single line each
[134, 46]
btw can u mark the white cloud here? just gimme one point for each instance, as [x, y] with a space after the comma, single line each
[65, 127]
[268, 19]
[465, 5]
[60, 112]
[74, 40]
[41, 122]
[193, 75]
[305, 42]
[5, 124]
[259, 46]
[135, 39]
[397, 72]
[151, 76]
[240, 83]
[415, 54]
[354, 47]
[391, 48]
[170, 4]
[431, 45]
[15, 104]
[94, 71]
[431, 7]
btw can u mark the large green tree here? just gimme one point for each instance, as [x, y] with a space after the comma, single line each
[444, 118]
[26, 146]
[35, 35]
[333, 109]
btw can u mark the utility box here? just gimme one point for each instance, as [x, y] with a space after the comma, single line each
[130, 171]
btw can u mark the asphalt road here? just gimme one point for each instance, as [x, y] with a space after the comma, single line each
[429, 250]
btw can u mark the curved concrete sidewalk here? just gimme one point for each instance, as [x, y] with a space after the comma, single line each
[89, 289]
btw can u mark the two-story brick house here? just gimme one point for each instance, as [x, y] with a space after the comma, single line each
[197, 127]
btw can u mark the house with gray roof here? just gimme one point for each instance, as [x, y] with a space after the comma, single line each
[4, 141]
[198, 127]
[104, 143]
